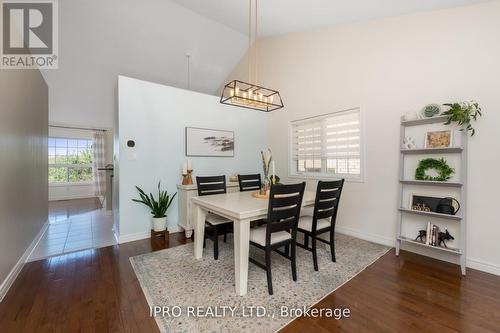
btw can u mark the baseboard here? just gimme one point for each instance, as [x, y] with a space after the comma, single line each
[142, 235]
[9, 280]
[368, 237]
[484, 266]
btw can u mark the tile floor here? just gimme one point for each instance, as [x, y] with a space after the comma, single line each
[75, 232]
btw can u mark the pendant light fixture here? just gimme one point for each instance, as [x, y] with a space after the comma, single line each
[246, 94]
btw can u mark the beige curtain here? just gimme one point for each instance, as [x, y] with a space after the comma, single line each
[99, 162]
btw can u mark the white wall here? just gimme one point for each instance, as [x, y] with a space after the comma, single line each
[77, 191]
[155, 117]
[23, 175]
[388, 67]
[98, 40]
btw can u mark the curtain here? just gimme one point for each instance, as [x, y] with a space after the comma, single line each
[99, 162]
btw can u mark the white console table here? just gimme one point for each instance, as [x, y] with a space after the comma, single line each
[186, 214]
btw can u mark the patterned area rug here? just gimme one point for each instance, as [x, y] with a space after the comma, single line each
[196, 295]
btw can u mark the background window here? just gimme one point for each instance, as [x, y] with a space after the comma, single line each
[327, 146]
[70, 160]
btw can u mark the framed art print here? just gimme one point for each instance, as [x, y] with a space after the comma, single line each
[438, 139]
[209, 142]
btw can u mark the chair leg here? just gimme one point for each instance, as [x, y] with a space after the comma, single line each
[287, 250]
[216, 244]
[315, 254]
[225, 236]
[332, 245]
[294, 260]
[306, 241]
[268, 271]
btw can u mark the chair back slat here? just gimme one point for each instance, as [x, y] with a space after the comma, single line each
[284, 209]
[327, 200]
[249, 182]
[211, 185]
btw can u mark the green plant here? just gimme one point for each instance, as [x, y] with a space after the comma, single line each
[440, 165]
[158, 208]
[463, 114]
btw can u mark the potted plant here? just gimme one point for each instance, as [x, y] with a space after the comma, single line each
[158, 207]
[463, 114]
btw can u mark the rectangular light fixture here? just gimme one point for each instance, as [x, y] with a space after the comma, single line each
[251, 96]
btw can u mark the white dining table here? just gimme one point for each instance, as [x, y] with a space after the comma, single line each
[241, 208]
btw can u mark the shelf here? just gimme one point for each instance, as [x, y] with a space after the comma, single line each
[452, 150]
[412, 241]
[430, 183]
[425, 121]
[431, 214]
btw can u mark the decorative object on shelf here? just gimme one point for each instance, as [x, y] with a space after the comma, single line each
[418, 200]
[158, 207]
[440, 165]
[443, 237]
[411, 115]
[438, 139]
[463, 114]
[251, 95]
[209, 142]
[267, 157]
[431, 110]
[448, 205]
[408, 143]
[187, 172]
[421, 207]
[422, 235]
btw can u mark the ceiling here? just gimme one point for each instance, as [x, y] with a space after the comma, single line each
[282, 16]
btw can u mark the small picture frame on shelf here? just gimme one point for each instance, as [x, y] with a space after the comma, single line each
[439, 139]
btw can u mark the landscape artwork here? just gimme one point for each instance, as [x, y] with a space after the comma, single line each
[438, 139]
[209, 142]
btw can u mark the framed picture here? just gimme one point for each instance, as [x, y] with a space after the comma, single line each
[438, 139]
[209, 142]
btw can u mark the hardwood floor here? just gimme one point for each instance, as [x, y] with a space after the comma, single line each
[97, 291]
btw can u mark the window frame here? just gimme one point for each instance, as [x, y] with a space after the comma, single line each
[68, 165]
[292, 170]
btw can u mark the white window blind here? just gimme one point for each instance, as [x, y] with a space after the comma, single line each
[328, 145]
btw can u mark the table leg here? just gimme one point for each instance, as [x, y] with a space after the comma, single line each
[199, 231]
[241, 249]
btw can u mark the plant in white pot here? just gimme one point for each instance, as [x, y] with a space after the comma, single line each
[158, 208]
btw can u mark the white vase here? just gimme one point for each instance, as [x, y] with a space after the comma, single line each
[159, 223]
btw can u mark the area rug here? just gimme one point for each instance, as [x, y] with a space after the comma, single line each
[199, 295]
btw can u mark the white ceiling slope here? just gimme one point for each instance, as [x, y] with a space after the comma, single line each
[147, 39]
[283, 16]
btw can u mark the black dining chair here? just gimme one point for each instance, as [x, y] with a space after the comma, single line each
[281, 228]
[249, 182]
[215, 225]
[323, 219]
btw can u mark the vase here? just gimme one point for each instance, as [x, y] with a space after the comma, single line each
[266, 186]
[159, 223]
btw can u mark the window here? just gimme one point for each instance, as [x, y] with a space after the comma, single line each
[328, 146]
[70, 160]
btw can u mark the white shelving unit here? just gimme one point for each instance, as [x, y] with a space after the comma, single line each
[460, 185]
